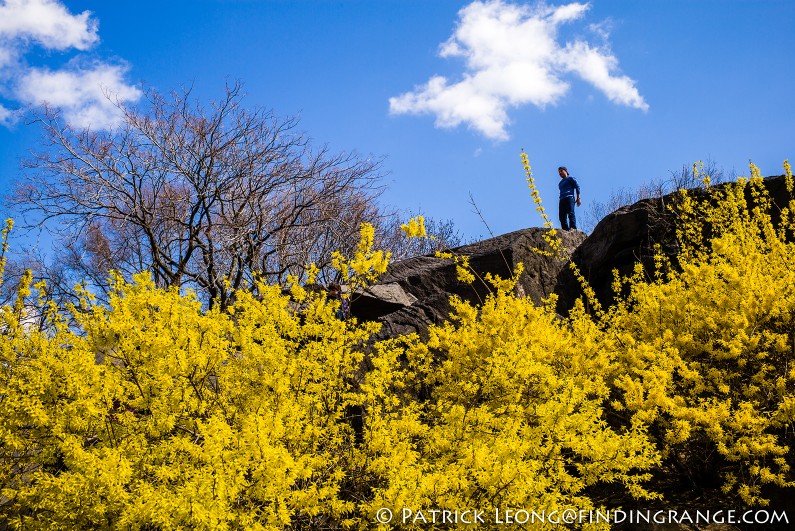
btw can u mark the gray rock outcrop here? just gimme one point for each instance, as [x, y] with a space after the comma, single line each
[415, 293]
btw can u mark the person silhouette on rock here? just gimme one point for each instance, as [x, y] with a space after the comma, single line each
[567, 186]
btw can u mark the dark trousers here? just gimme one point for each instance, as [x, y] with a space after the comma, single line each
[566, 213]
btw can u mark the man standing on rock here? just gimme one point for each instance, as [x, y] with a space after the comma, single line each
[567, 185]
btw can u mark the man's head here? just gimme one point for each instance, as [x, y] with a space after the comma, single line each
[563, 172]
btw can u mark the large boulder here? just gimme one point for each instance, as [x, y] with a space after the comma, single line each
[628, 235]
[622, 239]
[415, 293]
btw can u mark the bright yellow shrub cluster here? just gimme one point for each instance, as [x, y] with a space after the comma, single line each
[154, 413]
[366, 265]
[191, 418]
[513, 416]
[707, 348]
[415, 228]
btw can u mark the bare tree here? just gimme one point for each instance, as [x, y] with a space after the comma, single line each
[442, 236]
[206, 197]
[685, 178]
[597, 210]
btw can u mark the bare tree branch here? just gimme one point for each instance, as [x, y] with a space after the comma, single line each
[205, 197]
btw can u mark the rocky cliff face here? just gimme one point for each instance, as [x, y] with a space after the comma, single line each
[414, 293]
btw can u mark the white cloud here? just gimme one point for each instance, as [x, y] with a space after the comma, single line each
[595, 67]
[44, 22]
[86, 97]
[6, 116]
[6, 56]
[602, 29]
[80, 93]
[568, 12]
[512, 58]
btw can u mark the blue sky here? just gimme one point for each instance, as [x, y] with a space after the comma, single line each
[449, 92]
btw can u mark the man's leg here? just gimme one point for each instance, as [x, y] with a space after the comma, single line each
[572, 217]
[563, 214]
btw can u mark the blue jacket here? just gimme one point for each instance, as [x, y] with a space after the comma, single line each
[567, 186]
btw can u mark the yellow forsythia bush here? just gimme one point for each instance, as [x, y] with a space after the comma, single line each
[707, 348]
[513, 416]
[152, 412]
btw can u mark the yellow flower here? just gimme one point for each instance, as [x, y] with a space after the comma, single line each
[415, 228]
